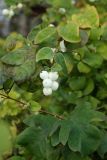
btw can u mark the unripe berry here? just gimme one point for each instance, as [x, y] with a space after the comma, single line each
[55, 85]
[44, 75]
[53, 76]
[47, 83]
[47, 91]
[5, 12]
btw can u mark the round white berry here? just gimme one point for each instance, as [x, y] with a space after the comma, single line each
[11, 13]
[47, 83]
[47, 91]
[5, 12]
[20, 5]
[53, 76]
[44, 75]
[55, 85]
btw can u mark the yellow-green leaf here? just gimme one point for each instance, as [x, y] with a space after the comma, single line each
[87, 18]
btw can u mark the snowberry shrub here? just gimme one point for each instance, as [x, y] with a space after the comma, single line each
[69, 58]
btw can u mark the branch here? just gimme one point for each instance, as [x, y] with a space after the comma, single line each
[40, 111]
[52, 114]
[8, 97]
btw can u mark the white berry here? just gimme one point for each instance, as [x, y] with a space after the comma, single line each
[20, 5]
[44, 75]
[11, 13]
[47, 91]
[5, 12]
[51, 25]
[53, 76]
[55, 85]
[47, 83]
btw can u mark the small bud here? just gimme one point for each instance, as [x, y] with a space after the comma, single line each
[55, 86]
[53, 76]
[47, 91]
[62, 46]
[47, 83]
[44, 75]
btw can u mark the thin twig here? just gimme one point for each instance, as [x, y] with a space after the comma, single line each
[52, 114]
[22, 103]
[8, 97]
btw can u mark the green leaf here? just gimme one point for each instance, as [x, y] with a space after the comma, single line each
[56, 67]
[102, 150]
[102, 50]
[60, 3]
[36, 136]
[17, 158]
[12, 2]
[78, 131]
[83, 68]
[84, 136]
[34, 106]
[44, 34]
[14, 41]
[33, 33]
[104, 31]
[77, 83]
[5, 138]
[42, 121]
[25, 71]
[87, 18]
[59, 59]
[8, 85]
[44, 53]
[93, 59]
[55, 138]
[89, 88]
[69, 32]
[68, 62]
[3, 77]
[95, 33]
[64, 131]
[16, 57]
[69, 155]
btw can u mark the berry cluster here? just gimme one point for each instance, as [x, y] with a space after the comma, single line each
[49, 82]
[11, 11]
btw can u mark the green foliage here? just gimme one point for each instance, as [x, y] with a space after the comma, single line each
[69, 32]
[44, 34]
[87, 18]
[5, 138]
[77, 131]
[44, 53]
[71, 123]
